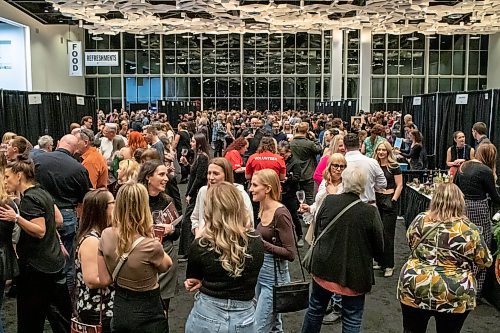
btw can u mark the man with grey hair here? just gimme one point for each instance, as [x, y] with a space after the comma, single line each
[110, 142]
[45, 145]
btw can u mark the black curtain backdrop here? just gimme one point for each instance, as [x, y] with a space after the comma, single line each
[495, 124]
[52, 116]
[460, 117]
[424, 116]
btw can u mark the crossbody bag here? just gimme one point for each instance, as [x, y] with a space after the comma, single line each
[307, 262]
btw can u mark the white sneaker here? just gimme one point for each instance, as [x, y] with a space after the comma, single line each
[388, 272]
[376, 265]
[331, 318]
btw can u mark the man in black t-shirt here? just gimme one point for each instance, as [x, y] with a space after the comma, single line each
[67, 181]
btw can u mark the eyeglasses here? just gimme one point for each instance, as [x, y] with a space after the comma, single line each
[338, 166]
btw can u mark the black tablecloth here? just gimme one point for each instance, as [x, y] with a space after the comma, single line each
[415, 203]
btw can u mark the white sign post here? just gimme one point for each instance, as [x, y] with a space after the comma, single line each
[75, 58]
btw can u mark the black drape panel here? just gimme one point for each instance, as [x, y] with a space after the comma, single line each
[495, 119]
[52, 116]
[459, 117]
[424, 117]
[15, 111]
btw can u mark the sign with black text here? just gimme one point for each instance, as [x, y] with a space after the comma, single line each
[75, 58]
[101, 59]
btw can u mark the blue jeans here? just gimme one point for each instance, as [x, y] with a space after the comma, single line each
[265, 319]
[352, 311]
[68, 234]
[210, 314]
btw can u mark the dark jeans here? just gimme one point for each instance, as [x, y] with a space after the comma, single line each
[389, 215]
[308, 187]
[187, 236]
[352, 311]
[40, 296]
[416, 320]
[135, 311]
[68, 235]
[218, 145]
[292, 204]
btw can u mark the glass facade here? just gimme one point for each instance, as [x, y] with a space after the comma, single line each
[415, 64]
[274, 71]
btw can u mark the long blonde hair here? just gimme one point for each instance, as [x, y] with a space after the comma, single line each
[447, 203]
[131, 215]
[4, 196]
[270, 179]
[391, 159]
[335, 158]
[334, 144]
[225, 227]
[130, 170]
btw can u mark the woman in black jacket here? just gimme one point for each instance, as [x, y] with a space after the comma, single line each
[342, 261]
[197, 179]
[290, 186]
[417, 154]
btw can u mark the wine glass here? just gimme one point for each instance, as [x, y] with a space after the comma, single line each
[301, 196]
[184, 151]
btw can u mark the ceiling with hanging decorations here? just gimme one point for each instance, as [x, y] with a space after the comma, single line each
[269, 16]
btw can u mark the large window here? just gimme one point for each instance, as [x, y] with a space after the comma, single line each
[274, 71]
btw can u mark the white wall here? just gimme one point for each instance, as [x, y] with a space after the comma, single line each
[493, 80]
[13, 69]
[49, 54]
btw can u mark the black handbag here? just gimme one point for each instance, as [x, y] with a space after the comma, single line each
[289, 296]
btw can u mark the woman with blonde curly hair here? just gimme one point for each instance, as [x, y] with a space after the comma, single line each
[224, 264]
[137, 304]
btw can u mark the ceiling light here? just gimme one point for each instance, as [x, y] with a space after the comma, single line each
[139, 36]
[412, 39]
[97, 38]
[474, 37]
[187, 36]
[430, 37]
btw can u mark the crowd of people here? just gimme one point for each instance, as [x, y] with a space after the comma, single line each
[86, 235]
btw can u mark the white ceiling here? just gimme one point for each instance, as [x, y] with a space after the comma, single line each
[276, 16]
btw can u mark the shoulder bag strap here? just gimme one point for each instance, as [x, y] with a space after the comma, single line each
[329, 226]
[124, 258]
[424, 236]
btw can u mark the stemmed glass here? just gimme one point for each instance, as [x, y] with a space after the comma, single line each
[301, 196]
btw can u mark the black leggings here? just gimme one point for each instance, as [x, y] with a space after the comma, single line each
[416, 320]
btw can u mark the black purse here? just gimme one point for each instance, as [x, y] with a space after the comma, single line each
[289, 296]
